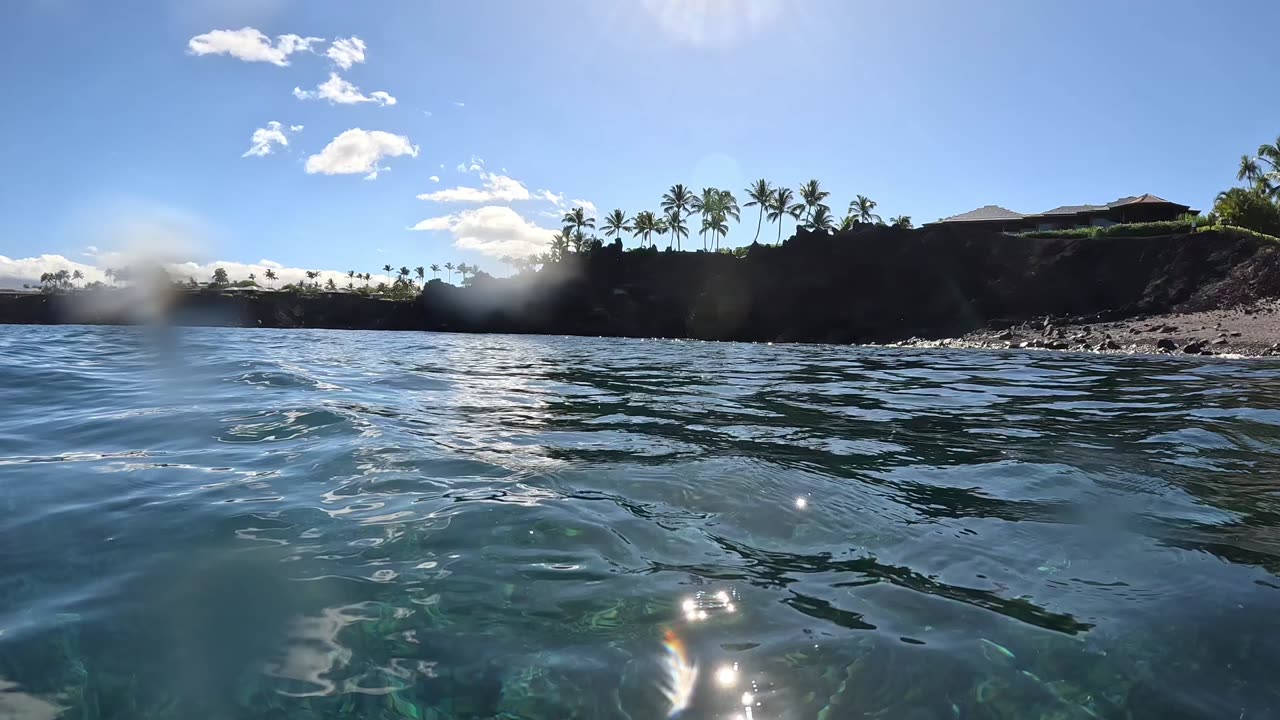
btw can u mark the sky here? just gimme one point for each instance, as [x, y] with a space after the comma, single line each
[335, 135]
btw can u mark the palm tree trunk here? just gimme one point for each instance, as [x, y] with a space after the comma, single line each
[759, 224]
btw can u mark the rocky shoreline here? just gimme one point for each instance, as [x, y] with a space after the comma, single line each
[871, 286]
[1251, 330]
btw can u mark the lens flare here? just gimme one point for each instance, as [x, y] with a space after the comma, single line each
[682, 674]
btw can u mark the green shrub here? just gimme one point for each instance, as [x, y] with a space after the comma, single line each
[1072, 233]
[1150, 229]
[1248, 209]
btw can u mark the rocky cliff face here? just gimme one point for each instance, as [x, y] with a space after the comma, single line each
[880, 284]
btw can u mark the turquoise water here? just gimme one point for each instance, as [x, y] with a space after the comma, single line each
[320, 524]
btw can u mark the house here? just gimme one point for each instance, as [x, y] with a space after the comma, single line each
[1133, 209]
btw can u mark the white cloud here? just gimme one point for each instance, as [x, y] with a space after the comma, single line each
[91, 250]
[459, 104]
[475, 164]
[346, 52]
[491, 230]
[16, 272]
[718, 24]
[264, 138]
[203, 271]
[250, 45]
[497, 188]
[556, 199]
[358, 152]
[434, 178]
[374, 175]
[341, 92]
[427, 113]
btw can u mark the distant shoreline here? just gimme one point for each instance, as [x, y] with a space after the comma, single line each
[874, 286]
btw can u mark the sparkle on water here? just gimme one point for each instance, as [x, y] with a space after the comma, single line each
[309, 524]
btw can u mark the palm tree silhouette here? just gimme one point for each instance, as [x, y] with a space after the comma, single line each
[387, 269]
[270, 275]
[577, 219]
[902, 221]
[676, 202]
[822, 219]
[677, 226]
[449, 266]
[784, 205]
[422, 274]
[435, 270]
[761, 194]
[862, 208]
[707, 204]
[812, 195]
[643, 224]
[616, 223]
[77, 275]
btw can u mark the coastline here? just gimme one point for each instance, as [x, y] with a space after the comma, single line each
[1251, 330]
[877, 286]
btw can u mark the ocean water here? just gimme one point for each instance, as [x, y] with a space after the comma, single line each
[213, 523]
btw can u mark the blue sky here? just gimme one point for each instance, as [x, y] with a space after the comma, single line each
[116, 130]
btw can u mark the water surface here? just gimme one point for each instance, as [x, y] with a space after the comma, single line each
[320, 524]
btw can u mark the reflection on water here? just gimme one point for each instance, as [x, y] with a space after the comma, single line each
[384, 525]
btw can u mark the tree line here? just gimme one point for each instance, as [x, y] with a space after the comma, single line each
[713, 208]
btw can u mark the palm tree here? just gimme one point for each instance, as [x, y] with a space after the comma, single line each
[311, 275]
[642, 225]
[219, 276]
[902, 221]
[761, 194]
[387, 269]
[422, 274]
[812, 194]
[449, 266]
[270, 275]
[716, 225]
[660, 226]
[77, 275]
[616, 223]
[862, 208]
[111, 275]
[435, 270]
[728, 209]
[676, 202]
[677, 226]
[350, 275]
[253, 278]
[784, 205]
[848, 223]
[577, 219]
[707, 204]
[331, 286]
[367, 278]
[822, 219]
[559, 245]
[404, 274]
[1250, 171]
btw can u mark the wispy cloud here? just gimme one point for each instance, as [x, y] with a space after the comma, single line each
[250, 45]
[265, 138]
[341, 92]
[495, 188]
[345, 52]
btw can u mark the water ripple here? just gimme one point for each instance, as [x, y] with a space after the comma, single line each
[247, 523]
